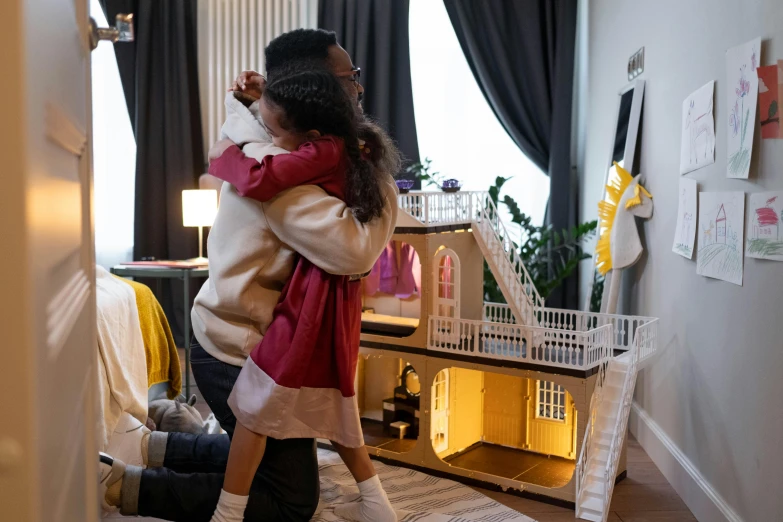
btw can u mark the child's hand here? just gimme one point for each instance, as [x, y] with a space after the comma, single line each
[219, 148]
[250, 83]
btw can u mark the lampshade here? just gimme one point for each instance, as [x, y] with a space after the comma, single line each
[199, 208]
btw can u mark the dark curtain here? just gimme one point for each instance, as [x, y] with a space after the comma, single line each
[522, 55]
[375, 34]
[160, 80]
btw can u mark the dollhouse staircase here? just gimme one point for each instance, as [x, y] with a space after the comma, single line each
[479, 210]
[597, 467]
[504, 262]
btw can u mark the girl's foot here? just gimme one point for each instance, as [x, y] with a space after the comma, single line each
[373, 507]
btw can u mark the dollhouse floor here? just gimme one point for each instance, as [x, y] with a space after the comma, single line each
[525, 466]
[375, 437]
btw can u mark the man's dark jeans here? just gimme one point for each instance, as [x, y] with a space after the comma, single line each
[188, 485]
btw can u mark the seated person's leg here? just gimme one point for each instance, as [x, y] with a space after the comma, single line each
[286, 488]
[188, 453]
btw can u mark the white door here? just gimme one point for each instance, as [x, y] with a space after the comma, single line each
[48, 452]
[446, 291]
[446, 268]
[439, 419]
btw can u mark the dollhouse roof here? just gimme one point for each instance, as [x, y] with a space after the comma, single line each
[766, 216]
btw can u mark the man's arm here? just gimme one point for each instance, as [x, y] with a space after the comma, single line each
[324, 230]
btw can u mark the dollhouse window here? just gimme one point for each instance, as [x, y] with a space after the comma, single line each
[550, 401]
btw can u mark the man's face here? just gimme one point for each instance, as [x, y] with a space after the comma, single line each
[342, 66]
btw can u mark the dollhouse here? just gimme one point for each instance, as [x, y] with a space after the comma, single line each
[514, 395]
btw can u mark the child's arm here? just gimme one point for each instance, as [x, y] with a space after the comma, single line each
[311, 164]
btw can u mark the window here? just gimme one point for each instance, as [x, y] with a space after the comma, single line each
[114, 156]
[456, 127]
[550, 401]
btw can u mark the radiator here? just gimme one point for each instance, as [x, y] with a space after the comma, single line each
[237, 32]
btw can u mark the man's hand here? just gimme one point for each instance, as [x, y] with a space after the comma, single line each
[250, 83]
[219, 148]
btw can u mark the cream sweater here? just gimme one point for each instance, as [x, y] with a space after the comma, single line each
[252, 245]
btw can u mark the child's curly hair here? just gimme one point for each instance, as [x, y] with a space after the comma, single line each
[315, 99]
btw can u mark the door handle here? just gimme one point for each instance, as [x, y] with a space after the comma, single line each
[121, 32]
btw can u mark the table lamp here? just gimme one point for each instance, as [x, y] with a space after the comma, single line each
[198, 210]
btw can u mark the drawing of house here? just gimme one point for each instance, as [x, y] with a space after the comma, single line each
[708, 239]
[766, 224]
[454, 384]
[720, 225]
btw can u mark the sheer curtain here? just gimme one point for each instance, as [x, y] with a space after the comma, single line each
[456, 127]
[114, 156]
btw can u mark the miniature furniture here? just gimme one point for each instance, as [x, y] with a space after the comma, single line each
[515, 395]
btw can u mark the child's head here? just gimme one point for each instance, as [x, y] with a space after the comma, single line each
[302, 105]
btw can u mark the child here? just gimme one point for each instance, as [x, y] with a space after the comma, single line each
[298, 382]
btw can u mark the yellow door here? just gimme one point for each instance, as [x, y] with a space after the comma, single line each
[48, 455]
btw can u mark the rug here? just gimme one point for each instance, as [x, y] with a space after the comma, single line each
[416, 497]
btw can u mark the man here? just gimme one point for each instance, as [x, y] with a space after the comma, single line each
[185, 472]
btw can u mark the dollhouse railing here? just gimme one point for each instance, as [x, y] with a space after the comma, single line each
[521, 343]
[645, 344]
[585, 453]
[623, 326]
[478, 209]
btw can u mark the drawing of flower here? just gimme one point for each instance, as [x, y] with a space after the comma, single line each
[738, 124]
[753, 62]
[734, 119]
[744, 86]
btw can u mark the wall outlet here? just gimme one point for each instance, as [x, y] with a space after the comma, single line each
[636, 64]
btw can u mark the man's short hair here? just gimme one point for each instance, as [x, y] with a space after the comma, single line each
[299, 45]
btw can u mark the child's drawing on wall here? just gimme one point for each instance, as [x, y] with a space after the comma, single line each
[698, 130]
[769, 102]
[765, 237]
[685, 233]
[742, 95]
[722, 217]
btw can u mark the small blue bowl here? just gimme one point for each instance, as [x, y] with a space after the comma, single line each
[450, 185]
[404, 185]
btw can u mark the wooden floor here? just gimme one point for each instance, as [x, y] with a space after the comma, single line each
[644, 496]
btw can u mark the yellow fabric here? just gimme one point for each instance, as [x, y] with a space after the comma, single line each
[161, 351]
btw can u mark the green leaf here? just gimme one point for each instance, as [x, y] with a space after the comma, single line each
[773, 109]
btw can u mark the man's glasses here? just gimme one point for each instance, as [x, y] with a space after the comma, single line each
[354, 74]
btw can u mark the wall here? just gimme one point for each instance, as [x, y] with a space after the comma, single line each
[465, 408]
[232, 35]
[505, 410]
[708, 409]
[384, 375]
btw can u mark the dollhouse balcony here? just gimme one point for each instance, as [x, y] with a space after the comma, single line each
[534, 345]
[565, 338]
[623, 327]
[434, 209]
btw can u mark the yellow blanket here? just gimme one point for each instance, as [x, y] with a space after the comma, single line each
[162, 357]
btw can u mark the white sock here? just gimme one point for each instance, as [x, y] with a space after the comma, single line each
[230, 508]
[374, 506]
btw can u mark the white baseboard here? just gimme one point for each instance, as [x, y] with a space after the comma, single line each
[706, 504]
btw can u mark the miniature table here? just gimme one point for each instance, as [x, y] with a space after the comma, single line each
[161, 273]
